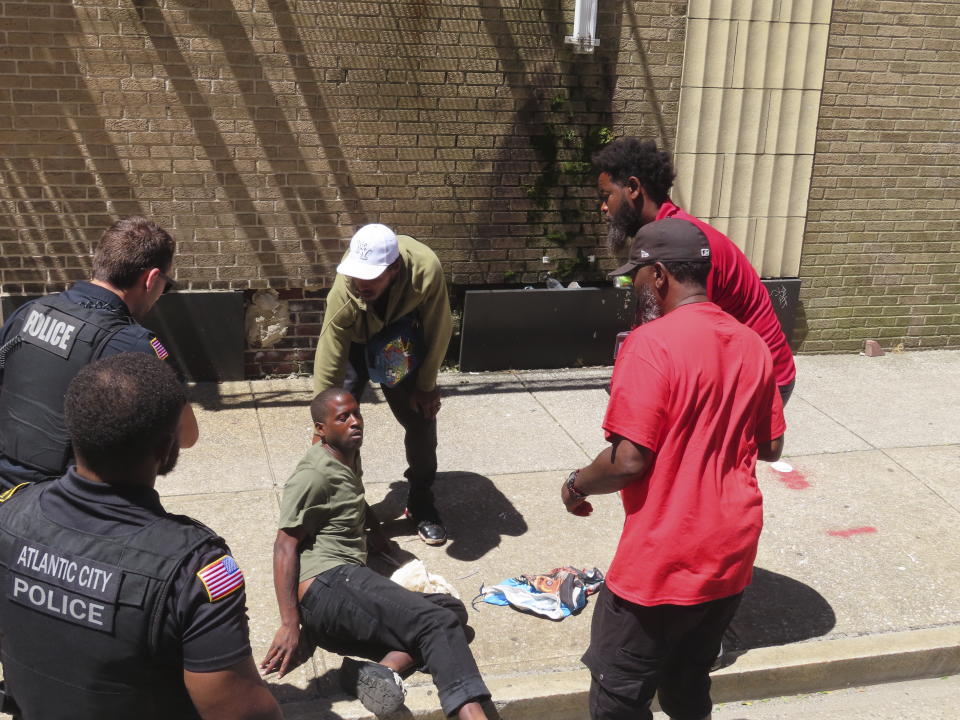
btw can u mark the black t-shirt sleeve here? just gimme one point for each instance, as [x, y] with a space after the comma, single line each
[135, 339]
[209, 613]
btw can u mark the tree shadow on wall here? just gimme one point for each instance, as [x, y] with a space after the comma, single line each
[538, 168]
[314, 223]
[65, 181]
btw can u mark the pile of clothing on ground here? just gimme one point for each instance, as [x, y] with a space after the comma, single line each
[556, 594]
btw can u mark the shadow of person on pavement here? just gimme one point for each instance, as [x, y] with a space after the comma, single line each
[476, 514]
[776, 610]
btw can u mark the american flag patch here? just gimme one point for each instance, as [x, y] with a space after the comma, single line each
[220, 578]
[159, 349]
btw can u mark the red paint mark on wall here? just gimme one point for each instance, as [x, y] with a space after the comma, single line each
[794, 480]
[852, 531]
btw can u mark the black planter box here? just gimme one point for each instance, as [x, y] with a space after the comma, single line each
[530, 329]
[527, 329]
[202, 330]
[785, 296]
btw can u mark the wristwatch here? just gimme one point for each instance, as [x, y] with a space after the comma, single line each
[571, 486]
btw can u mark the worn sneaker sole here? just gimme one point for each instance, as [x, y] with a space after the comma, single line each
[379, 689]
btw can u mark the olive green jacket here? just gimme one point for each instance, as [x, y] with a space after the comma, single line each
[349, 319]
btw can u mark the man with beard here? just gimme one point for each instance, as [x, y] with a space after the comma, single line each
[634, 182]
[115, 608]
[693, 405]
[326, 591]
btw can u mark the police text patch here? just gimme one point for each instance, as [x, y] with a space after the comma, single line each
[73, 588]
[51, 330]
[56, 601]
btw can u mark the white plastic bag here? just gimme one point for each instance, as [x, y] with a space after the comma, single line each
[414, 576]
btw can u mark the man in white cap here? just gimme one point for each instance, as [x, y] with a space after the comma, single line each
[388, 320]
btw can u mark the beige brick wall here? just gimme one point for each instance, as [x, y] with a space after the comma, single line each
[262, 132]
[881, 253]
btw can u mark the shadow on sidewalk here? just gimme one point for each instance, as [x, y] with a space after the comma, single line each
[211, 396]
[475, 513]
[777, 610]
[315, 702]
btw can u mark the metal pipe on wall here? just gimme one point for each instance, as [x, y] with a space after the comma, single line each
[584, 27]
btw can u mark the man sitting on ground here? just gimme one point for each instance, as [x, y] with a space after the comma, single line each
[324, 585]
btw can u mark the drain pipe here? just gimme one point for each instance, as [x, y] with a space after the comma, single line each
[584, 27]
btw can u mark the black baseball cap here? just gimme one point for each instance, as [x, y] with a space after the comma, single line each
[667, 240]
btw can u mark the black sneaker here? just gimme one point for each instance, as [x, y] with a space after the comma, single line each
[429, 527]
[376, 686]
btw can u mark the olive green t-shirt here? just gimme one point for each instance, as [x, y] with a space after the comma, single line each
[325, 498]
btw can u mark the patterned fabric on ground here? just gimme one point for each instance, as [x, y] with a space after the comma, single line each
[556, 594]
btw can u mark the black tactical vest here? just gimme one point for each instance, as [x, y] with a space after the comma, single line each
[57, 338]
[82, 615]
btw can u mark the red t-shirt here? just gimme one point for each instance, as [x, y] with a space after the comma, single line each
[697, 388]
[734, 285]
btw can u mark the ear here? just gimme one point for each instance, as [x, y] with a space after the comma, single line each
[635, 190]
[165, 445]
[660, 275]
[319, 431]
[150, 278]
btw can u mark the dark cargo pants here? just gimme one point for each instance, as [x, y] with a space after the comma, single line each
[420, 434]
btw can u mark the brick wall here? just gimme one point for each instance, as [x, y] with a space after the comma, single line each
[263, 132]
[881, 254]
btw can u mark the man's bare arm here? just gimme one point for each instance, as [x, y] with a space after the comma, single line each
[282, 655]
[237, 693]
[770, 451]
[612, 470]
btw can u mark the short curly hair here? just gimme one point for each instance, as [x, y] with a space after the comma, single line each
[318, 406]
[120, 409]
[633, 157]
[689, 273]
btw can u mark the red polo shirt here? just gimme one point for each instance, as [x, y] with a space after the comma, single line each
[734, 285]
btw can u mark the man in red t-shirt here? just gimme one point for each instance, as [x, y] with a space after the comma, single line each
[693, 404]
[634, 182]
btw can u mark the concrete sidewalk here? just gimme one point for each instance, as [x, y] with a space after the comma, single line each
[858, 575]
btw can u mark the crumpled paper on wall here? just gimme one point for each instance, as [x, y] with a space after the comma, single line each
[268, 319]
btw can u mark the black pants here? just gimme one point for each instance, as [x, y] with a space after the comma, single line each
[786, 391]
[351, 610]
[636, 651]
[420, 434]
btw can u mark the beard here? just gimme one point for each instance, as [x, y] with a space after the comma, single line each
[648, 309]
[170, 462]
[624, 224]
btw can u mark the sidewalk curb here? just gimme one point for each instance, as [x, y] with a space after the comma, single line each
[760, 673]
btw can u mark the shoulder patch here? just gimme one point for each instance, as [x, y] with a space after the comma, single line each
[220, 578]
[159, 349]
[7, 494]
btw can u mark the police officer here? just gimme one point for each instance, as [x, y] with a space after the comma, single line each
[113, 608]
[45, 342]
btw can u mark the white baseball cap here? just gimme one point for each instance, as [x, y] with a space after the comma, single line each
[372, 250]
